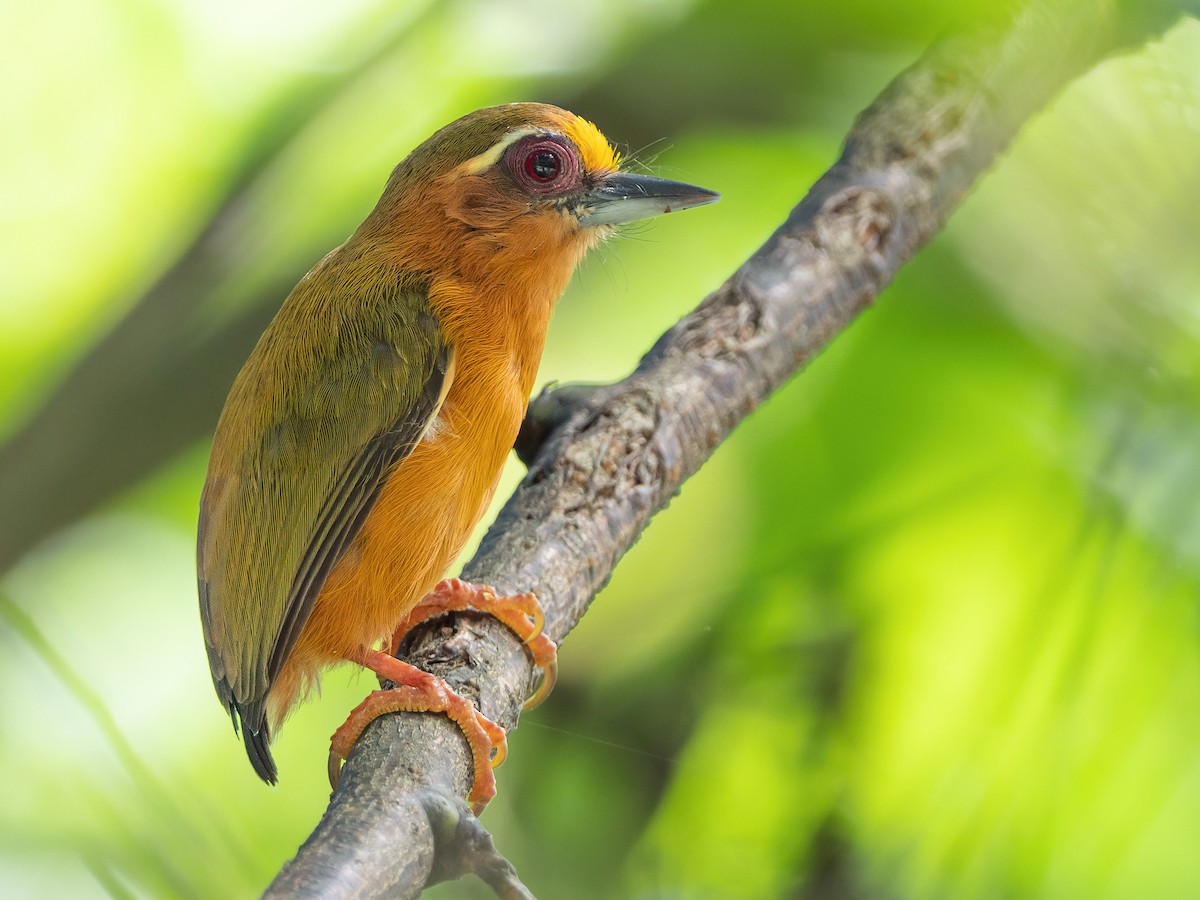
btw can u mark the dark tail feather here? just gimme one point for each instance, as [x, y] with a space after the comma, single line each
[258, 742]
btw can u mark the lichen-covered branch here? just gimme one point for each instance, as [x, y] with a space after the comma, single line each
[620, 456]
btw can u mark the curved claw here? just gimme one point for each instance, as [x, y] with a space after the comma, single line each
[334, 769]
[499, 750]
[547, 659]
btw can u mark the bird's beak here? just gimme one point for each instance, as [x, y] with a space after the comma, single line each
[623, 197]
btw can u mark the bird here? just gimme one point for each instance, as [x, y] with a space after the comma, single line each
[362, 440]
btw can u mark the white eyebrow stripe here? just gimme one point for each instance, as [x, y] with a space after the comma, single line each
[489, 157]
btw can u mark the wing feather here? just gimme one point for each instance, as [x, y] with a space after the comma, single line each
[340, 389]
[347, 507]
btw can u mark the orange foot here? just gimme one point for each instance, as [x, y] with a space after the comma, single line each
[520, 612]
[418, 691]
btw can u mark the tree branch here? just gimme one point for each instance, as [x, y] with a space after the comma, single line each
[623, 453]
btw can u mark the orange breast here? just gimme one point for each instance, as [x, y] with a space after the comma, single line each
[496, 320]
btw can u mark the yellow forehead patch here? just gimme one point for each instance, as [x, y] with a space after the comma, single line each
[596, 154]
[594, 149]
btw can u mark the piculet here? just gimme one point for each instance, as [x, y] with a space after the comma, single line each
[363, 438]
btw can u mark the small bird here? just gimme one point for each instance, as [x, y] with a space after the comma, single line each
[363, 438]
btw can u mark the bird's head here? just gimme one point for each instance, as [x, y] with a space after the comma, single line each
[517, 180]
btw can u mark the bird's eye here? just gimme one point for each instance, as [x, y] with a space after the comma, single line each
[543, 165]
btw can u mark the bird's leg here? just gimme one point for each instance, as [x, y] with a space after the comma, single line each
[418, 691]
[520, 612]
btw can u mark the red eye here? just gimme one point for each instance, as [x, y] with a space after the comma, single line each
[543, 165]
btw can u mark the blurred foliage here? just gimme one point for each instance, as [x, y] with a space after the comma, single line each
[926, 627]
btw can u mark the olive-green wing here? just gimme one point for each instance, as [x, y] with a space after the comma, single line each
[325, 407]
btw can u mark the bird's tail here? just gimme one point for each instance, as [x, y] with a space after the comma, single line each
[257, 737]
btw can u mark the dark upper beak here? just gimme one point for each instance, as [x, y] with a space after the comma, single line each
[622, 197]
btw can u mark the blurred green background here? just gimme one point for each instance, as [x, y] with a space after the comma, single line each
[925, 627]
